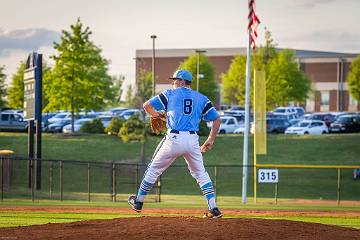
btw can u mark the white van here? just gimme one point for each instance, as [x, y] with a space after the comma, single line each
[12, 122]
[229, 124]
[285, 110]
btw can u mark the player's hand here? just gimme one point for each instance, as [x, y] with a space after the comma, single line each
[208, 144]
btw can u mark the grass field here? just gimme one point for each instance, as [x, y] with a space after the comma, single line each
[323, 149]
[294, 183]
[25, 218]
[15, 219]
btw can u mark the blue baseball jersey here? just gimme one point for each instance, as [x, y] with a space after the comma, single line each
[184, 108]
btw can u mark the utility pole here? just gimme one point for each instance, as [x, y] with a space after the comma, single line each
[153, 37]
[198, 52]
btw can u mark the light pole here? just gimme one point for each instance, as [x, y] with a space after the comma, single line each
[198, 52]
[153, 37]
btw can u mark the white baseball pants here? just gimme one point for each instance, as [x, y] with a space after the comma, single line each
[173, 146]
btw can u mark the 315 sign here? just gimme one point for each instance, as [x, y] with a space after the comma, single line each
[268, 176]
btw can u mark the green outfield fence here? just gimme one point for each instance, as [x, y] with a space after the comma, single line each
[113, 181]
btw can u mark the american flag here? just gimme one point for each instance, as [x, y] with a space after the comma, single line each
[253, 23]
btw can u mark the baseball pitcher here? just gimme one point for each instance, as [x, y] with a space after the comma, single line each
[183, 110]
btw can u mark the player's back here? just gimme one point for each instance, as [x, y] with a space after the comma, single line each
[185, 108]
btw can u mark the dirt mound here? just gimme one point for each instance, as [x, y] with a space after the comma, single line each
[181, 228]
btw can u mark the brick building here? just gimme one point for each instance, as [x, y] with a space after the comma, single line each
[327, 70]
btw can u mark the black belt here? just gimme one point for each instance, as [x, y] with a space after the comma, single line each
[177, 132]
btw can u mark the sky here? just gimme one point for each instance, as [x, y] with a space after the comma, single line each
[121, 26]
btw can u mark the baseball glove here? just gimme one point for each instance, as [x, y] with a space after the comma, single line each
[158, 124]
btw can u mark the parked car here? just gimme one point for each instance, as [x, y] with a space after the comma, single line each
[240, 129]
[293, 122]
[12, 122]
[338, 114]
[45, 119]
[306, 116]
[59, 117]
[273, 125]
[346, 123]
[224, 107]
[92, 115]
[287, 113]
[105, 119]
[77, 125]
[234, 112]
[130, 112]
[300, 111]
[328, 118]
[285, 110]
[117, 111]
[57, 127]
[308, 127]
[237, 108]
[18, 111]
[229, 124]
[286, 117]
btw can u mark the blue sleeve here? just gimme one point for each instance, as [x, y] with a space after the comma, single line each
[209, 112]
[159, 102]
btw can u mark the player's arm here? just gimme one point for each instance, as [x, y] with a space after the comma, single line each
[150, 109]
[210, 114]
[156, 104]
[208, 144]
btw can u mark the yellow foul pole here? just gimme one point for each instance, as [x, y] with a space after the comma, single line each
[259, 121]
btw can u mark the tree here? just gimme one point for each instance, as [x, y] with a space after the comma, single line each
[81, 81]
[285, 81]
[353, 79]
[16, 90]
[234, 82]
[129, 98]
[207, 84]
[266, 53]
[234, 79]
[116, 86]
[2, 88]
[143, 88]
[47, 79]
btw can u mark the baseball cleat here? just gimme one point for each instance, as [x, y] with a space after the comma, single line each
[136, 206]
[213, 213]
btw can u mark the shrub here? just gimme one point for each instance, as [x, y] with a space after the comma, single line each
[203, 129]
[114, 126]
[133, 130]
[94, 126]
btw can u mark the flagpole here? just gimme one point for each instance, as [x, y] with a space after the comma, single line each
[247, 113]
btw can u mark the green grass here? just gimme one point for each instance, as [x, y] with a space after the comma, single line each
[16, 219]
[178, 187]
[323, 149]
[96, 147]
[294, 183]
[19, 218]
[189, 202]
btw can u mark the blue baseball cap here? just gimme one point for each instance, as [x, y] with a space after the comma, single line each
[182, 75]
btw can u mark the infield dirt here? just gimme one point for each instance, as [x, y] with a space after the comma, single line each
[181, 228]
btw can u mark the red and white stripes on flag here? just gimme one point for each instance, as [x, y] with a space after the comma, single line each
[253, 23]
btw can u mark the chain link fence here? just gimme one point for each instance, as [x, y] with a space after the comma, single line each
[111, 181]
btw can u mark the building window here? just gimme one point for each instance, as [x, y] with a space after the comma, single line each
[352, 101]
[325, 96]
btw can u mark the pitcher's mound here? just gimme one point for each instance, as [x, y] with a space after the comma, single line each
[181, 228]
